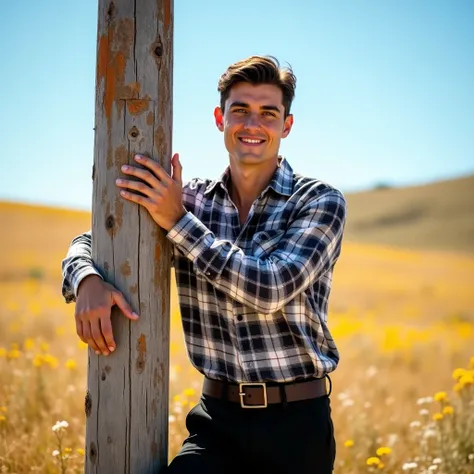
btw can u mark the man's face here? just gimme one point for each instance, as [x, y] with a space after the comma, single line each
[253, 123]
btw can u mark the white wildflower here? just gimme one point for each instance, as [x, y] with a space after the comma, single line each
[424, 412]
[422, 401]
[409, 465]
[60, 425]
[371, 372]
[171, 418]
[433, 467]
[430, 433]
[437, 461]
[471, 457]
[415, 424]
[55, 452]
[348, 402]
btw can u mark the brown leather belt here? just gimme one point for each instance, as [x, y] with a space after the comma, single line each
[260, 395]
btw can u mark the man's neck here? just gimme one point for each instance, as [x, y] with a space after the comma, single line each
[248, 182]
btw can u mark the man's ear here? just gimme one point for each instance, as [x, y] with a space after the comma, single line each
[219, 116]
[287, 126]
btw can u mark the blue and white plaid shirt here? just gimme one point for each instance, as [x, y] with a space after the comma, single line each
[253, 298]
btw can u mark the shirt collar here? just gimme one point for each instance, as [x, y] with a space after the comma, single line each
[281, 182]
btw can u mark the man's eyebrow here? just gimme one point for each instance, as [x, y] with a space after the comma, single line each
[263, 107]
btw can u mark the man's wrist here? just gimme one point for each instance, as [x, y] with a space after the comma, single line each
[87, 278]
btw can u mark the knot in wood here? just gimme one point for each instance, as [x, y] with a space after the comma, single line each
[134, 133]
[88, 404]
[159, 50]
[109, 222]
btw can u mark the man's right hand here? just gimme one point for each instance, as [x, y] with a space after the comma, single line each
[94, 302]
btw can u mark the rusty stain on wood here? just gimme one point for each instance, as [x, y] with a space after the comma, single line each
[149, 119]
[160, 143]
[141, 348]
[133, 289]
[121, 156]
[137, 106]
[125, 269]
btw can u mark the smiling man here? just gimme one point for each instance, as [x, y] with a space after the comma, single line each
[254, 254]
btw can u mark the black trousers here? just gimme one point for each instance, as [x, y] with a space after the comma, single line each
[224, 438]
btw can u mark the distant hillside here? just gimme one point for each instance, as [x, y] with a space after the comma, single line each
[439, 216]
[436, 216]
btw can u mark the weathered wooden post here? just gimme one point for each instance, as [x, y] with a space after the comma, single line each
[127, 400]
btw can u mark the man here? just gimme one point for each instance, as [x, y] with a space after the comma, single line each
[254, 253]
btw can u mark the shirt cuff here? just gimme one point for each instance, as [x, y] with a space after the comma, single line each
[82, 274]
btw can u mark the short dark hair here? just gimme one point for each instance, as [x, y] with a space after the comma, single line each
[259, 70]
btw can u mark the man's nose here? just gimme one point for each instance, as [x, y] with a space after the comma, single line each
[252, 122]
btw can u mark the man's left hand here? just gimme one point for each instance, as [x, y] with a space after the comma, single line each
[162, 193]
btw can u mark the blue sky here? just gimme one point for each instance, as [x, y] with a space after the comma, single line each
[385, 89]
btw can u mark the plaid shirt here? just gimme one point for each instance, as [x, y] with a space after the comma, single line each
[253, 298]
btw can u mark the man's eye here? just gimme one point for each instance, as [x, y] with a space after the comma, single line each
[240, 111]
[271, 114]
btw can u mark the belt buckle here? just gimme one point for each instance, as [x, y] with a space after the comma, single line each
[253, 384]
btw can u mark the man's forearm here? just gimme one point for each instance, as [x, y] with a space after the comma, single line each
[77, 265]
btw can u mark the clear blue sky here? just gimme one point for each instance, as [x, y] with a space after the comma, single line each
[385, 89]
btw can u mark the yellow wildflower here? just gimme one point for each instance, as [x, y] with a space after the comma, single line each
[3, 409]
[67, 450]
[80, 451]
[50, 360]
[189, 392]
[381, 465]
[70, 364]
[29, 344]
[457, 387]
[349, 443]
[458, 373]
[44, 346]
[14, 346]
[38, 360]
[467, 379]
[440, 397]
[3, 418]
[13, 354]
[60, 331]
[383, 450]
[448, 410]
[3, 352]
[373, 461]
[438, 416]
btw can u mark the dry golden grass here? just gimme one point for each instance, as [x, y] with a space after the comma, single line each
[403, 321]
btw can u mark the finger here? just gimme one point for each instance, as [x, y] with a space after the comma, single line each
[177, 168]
[121, 302]
[79, 330]
[143, 174]
[98, 337]
[155, 167]
[138, 186]
[132, 197]
[106, 327]
[86, 329]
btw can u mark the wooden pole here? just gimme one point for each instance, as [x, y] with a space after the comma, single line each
[127, 399]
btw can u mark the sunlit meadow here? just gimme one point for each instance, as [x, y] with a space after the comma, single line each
[403, 395]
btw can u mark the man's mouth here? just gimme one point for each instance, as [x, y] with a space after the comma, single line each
[251, 141]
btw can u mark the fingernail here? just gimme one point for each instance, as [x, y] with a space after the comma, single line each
[97, 352]
[135, 315]
[111, 348]
[138, 157]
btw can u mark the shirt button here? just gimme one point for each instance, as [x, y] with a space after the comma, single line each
[208, 274]
[240, 317]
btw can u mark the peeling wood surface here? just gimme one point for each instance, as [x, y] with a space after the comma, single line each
[127, 399]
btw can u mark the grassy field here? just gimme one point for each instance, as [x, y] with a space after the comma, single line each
[403, 396]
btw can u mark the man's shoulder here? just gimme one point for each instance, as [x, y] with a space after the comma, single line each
[196, 185]
[313, 187]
